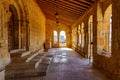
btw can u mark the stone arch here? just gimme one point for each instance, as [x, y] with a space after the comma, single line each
[99, 27]
[99, 13]
[20, 11]
[55, 33]
[90, 37]
[26, 25]
[103, 28]
[107, 26]
[79, 35]
[23, 22]
[108, 13]
[13, 29]
[62, 38]
[106, 4]
[55, 38]
[26, 13]
[82, 34]
[90, 29]
[14, 12]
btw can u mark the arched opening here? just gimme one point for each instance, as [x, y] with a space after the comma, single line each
[82, 35]
[13, 29]
[79, 33]
[62, 39]
[74, 37]
[90, 38]
[99, 29]
[55, 37]
[108, 29]
[104, 35]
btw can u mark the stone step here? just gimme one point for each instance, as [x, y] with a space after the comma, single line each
[20, 68]
[21, 63]
[15, 55]
[26, 69]
[21, 59]
[30, 72]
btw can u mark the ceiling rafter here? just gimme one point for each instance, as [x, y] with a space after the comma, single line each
[79, 4]
[69, 10]
[76, 12]
[85, 1]
[71, 4]
[66, 6]
[66, 11]
[61, 13]
[63, 21]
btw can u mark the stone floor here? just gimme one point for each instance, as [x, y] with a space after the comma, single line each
[68, 65]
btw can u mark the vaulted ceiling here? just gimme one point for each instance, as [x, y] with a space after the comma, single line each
[69, 10]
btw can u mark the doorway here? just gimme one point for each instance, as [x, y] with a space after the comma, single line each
[13, 30]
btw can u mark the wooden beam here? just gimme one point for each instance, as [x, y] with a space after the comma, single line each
[71, 4]
[62, 21]
[78, 3]
[61, 14]
[64, 5]
[61, 8]
[84, 1]
[71, 8]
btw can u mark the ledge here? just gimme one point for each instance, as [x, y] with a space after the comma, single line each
[104, 53]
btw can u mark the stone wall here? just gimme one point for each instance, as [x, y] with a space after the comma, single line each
[4, 54]
[37, 23]
[4, 16]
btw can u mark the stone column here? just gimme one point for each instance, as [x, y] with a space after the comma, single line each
[95, 34]
[86, 39]
[116, 38]
[27, 35]
[77, 39]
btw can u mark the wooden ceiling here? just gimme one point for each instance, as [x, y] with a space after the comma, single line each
[69, 10]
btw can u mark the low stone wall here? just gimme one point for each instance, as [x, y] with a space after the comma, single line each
[2, 73]
[107, 65]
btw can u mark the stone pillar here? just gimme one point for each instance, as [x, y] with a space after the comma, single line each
[77, 34]
[116, 37]
[95, 34]
[27, 35]
[86, 39]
